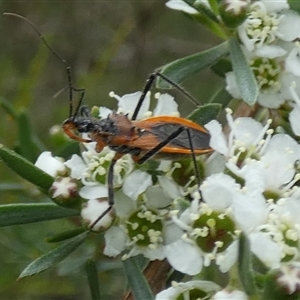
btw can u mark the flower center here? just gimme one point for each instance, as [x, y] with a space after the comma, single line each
[261, 26]
[144, 228]
[98, 165]
[267, 72]
[213, 230]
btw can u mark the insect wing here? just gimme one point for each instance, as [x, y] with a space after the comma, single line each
[157, 129]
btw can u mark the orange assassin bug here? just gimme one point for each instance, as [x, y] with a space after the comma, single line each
[158, 136]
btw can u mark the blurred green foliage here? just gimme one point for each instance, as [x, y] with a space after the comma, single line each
[111, 45]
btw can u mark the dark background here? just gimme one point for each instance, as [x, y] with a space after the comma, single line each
[111, 46]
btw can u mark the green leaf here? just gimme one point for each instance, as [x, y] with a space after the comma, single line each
[92, 276]
[222, 67]
[245, 78]
[245, 265]
[295, 5]
[62, 236]
[180, 69]
[53, 257]
[13, 214]
[8, 108]
[10, 186]
[137, 282]
[222, 97]
[25, 168]
[204, 114]
[214, 6]
[207, 17]
[26, 145]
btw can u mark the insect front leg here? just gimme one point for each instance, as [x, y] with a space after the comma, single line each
[110, 184]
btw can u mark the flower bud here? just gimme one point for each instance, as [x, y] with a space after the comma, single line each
[233, 12]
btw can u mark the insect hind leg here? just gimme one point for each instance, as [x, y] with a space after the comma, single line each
[163, 143]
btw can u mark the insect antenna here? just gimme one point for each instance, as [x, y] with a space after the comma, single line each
[68, 67]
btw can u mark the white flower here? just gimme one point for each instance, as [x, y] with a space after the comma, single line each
[295, 113]
[245, 134]
[235, 6]
[288, 277]
[142, 220]
[182, 6]
[64, 187]
[51, 165]
[267, 250]
[93, 209]
[127, 104]
[273, 79]
[268, 22]
[210, 232]
[136, 183]
[92, 167]
[266, 204]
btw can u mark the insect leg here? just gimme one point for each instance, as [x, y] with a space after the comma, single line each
[146, 89]
[148, 86]
[110, 181]
[84, 111]
[171, 137]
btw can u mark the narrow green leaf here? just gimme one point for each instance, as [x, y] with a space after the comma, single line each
[214, 6]
[8, 108]
[180, 69]
[11, 186]
[53, 257]
[222, 97]
[137, 282]
[207, 17]
[26, 145]
[204, 114]
[13, 214]
[245, 265]
[295, 5]
[25, 168]
[244, 76]
[92, 275]
[62, 236]
[222, 67]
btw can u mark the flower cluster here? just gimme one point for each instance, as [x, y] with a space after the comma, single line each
[267, 36]
[140, 220]
[249, 186]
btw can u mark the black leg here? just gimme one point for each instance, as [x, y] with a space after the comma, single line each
[148, 86]
[84, 111]
[110, 178]
[171, 137]
[146, 89]
[110, 182]
[159, 146]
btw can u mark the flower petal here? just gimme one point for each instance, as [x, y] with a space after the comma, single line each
[181, 5]
[49, 164]
[115, 241]
[166, 105]
[184, 257]
[136, 183]
[96, 191]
